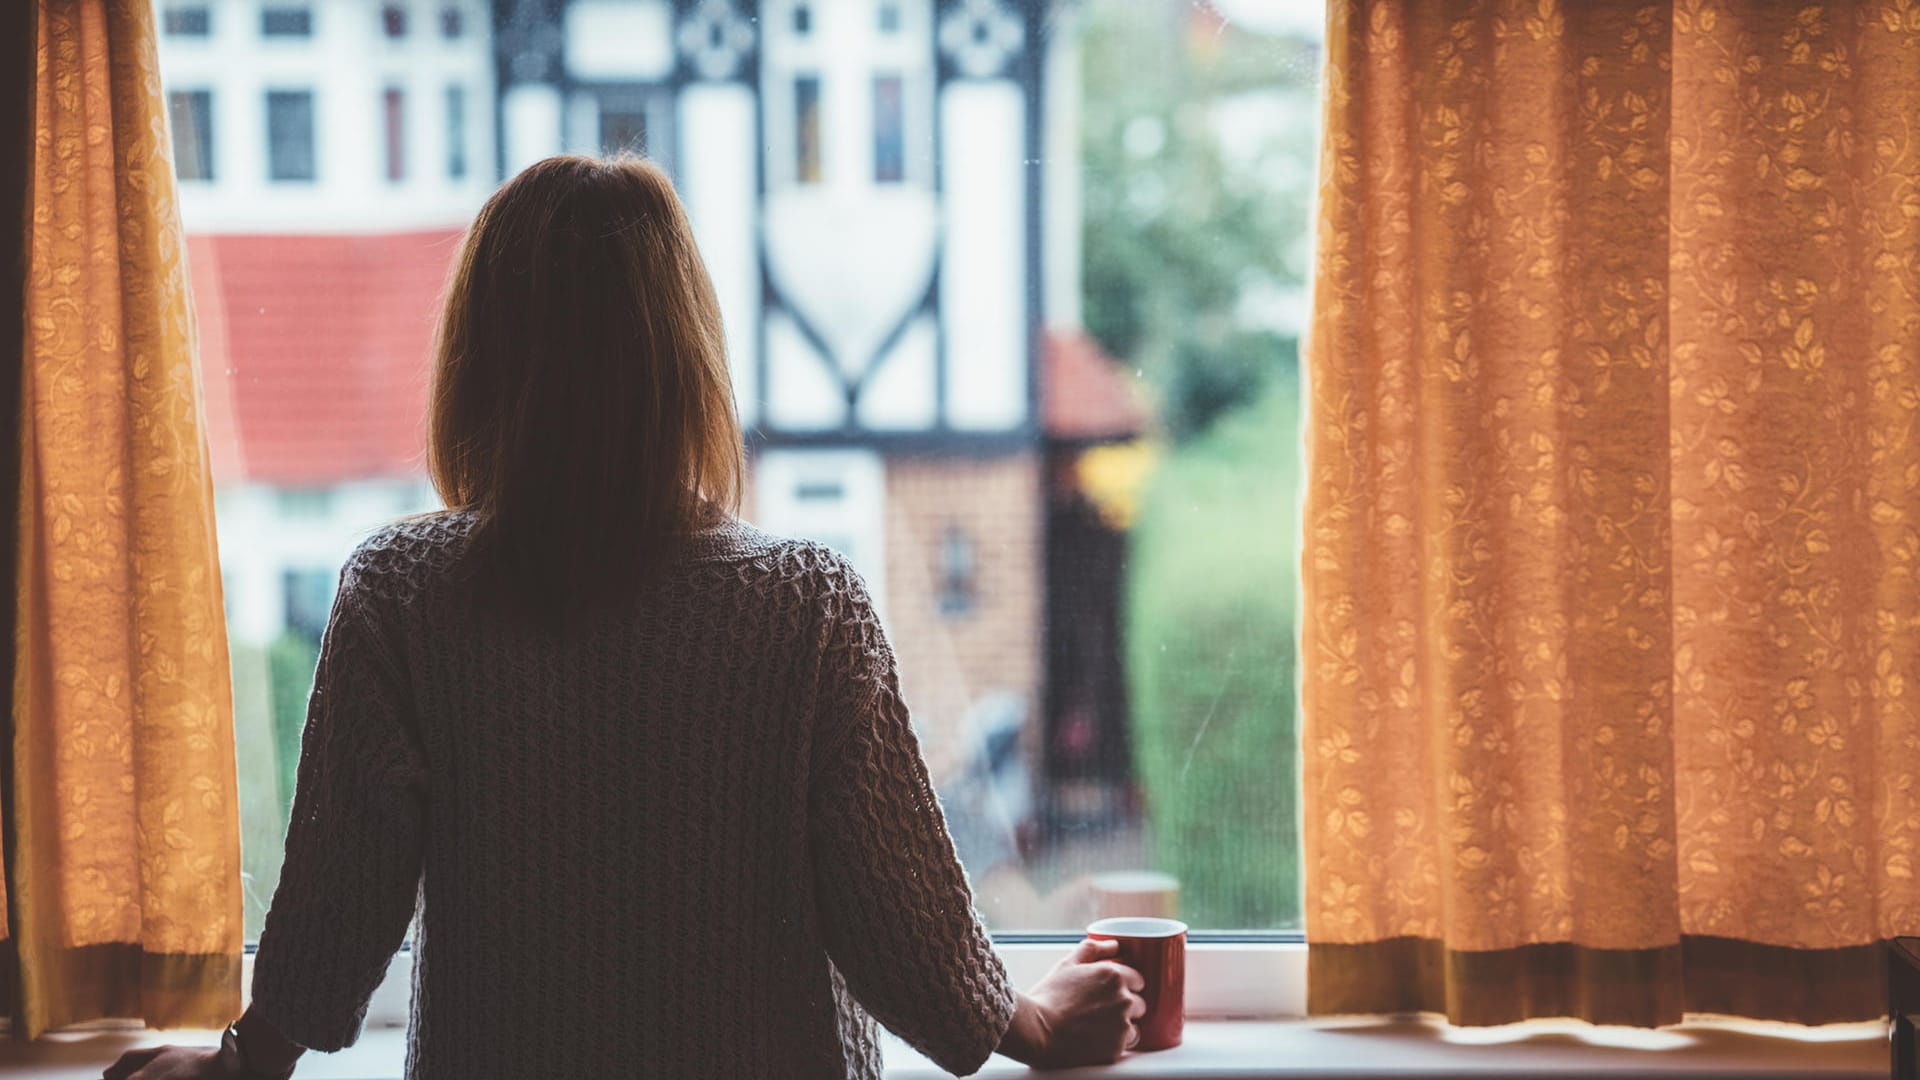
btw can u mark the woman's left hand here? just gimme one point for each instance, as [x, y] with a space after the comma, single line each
[169, 1063]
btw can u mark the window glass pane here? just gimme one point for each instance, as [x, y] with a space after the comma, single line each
[452, 23]
[622, 130]
[1031, 364]
[286, 22]
[304, 503]
[186, 20]
[191, 114]
[889, 130]
[806, 107]
[456, 132]
[290, 135]
[394, 107]
[309, 596]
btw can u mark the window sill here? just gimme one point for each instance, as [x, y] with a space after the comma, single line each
[1295, 1049]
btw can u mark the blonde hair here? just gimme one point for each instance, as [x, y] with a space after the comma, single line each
[580, 403]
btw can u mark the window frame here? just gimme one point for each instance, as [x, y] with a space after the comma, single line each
[1230, 976]
[393, 127]
[454, 114]
[1222, 961]
[269, 93]
[172, 15]
[300, 13]
[206, 163]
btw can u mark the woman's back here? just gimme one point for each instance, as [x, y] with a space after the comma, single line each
[651, 845]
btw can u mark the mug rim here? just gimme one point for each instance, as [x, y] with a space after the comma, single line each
[1137, 926]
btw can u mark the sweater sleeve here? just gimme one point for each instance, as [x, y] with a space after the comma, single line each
[895, 908]
[353, 851]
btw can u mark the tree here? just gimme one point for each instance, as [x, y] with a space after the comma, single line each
[1187, 221]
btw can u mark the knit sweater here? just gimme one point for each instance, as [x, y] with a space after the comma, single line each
[694, 838]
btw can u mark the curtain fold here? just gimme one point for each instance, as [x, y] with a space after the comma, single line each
[1611, 512]
[124, 886]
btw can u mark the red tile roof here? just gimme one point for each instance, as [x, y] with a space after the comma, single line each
[314, 352]
[1085, 394]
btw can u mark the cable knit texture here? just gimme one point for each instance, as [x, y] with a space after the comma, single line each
[692, 839]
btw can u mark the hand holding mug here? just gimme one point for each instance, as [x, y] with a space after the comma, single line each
[1082, 1013]
[1157, 949]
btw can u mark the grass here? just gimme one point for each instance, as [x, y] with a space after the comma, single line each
[1210, 641]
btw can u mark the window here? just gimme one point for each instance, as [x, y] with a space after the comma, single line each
[456, 132]
[889, 130]
[290, 154]
[452, 23]
[806, 107]
[956, 572]
[303, 504]
[623, 130]
[395, 112]
[1070, 533]
[286, 22]
[191, 114]
[186, 20]
[309, 598]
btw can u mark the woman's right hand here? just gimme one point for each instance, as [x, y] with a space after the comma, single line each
[1082, 1013]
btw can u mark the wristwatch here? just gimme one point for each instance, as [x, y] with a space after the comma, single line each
[234, 1058]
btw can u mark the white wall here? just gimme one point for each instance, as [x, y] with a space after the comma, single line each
[348, 63]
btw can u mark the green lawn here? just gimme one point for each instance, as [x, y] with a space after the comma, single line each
[1211, 657]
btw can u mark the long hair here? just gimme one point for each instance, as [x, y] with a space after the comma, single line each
[581, 406]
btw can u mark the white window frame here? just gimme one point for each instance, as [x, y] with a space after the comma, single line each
[1225, 980]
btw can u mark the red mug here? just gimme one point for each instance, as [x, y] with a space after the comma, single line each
[1157, 949]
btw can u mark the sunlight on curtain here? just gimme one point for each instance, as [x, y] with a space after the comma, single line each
[126, 881]
[1611, 514]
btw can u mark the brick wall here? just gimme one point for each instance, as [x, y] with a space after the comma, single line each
[950, 659]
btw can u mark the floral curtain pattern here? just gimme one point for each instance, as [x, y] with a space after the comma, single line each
[1613, 507]
[125, 882]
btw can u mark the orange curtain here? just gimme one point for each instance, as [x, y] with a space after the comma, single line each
[124, 889]
[1611, 528]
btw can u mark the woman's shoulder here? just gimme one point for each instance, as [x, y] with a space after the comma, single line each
[399, 553]
[774, 558]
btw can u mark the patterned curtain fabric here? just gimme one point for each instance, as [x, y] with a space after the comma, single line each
[123, 890]
[1611, 611]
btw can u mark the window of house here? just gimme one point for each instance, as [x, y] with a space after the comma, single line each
[290, 147]
[456, 103]
[1039, 384]
[889, 130]
[623, 130]
[452, 23]
[186, 20]
[806, 108]
[301, 504]
[190, 112]
[286, 22]
[308, 593]
[956, 571]
[394, 113]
